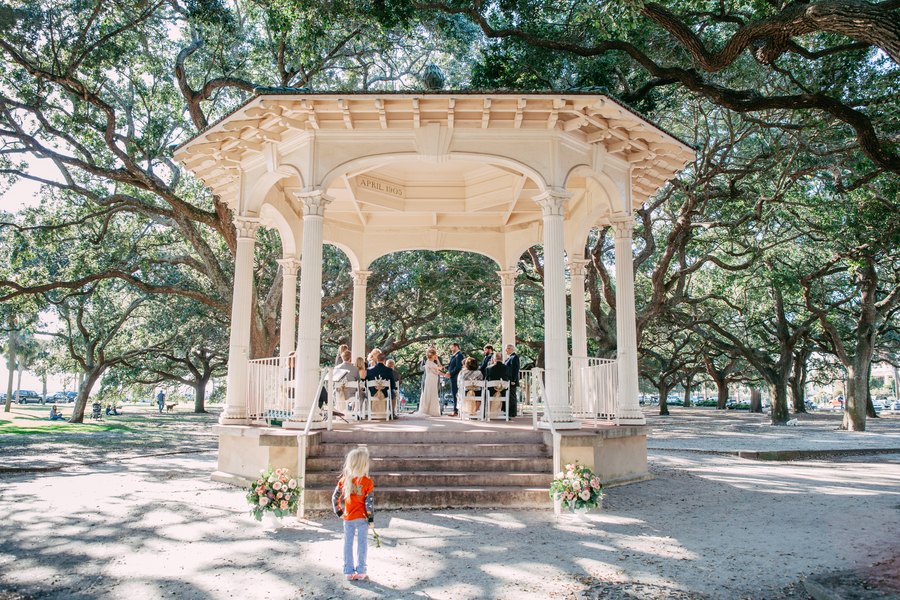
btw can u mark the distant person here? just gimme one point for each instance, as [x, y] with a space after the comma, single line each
[54, 414]
[488, 359]
[512, 370]
[161, 401]
[338, 361]
[453, 369]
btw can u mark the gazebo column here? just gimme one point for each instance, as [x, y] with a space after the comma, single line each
[508, 308]
[358, 336]
[235, 412]
[577, 268]
[289, 267]
[310, 323]
[555, 331]
[626, 333]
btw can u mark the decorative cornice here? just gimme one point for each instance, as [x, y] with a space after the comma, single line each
[289, 266]
[553, 203]
[623, 228]
[507, 278]
[314, 202]
[360, 277]
[578, 266]
[246, 227]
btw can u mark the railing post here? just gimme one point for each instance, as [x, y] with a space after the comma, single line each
[301, 472]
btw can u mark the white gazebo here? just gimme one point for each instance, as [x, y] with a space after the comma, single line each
[488, 172]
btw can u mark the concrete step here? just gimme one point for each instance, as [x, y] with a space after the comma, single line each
[394, 450]
[442, 497]
[327, 480]
[361, 436]
[535, 464]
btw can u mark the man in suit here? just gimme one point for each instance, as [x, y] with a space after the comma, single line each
[488, 360]
[453, 368]
[380, 370]
[497, 371]
[512, 370]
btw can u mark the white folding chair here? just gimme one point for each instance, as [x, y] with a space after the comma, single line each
[497, 405]
[471, 400]
[347, 398]
[379, 408]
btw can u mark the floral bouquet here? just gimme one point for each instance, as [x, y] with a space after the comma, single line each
[577, 487]
[274, 492]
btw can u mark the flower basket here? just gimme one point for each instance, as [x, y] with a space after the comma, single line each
[577, 487]
[275, 493]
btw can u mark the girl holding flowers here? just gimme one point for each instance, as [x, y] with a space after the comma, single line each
[354, 501]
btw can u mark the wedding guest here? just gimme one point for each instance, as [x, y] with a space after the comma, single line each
[349, 372]
[488, 358]
[340, 354]
[361, 365]
[373, 357]
[497, 370]
[453, 369]
[512, 370]
[392, 365]
[381, 371]
[354, 501]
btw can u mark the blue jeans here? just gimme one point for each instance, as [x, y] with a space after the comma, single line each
[359, 527]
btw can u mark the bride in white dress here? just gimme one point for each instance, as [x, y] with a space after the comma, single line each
[429, 403]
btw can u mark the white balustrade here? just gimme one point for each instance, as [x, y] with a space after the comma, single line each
[593, 388]
[271, 388]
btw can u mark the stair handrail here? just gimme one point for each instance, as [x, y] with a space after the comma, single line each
[301, 438]
[536, 376]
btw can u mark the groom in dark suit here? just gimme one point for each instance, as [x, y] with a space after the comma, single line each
[488, 360]
[512, 370]
[380, 371]
[453, 369]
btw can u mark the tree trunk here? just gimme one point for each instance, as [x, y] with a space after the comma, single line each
[870, 408]
[688, 385]
[857, 391]
[663, 390]
[200, 395]
[798, 381]
[10, 362]
[722, 391]
[19, 382]
[780, 414]
[755, 401]
[44, 381]
[84, 390]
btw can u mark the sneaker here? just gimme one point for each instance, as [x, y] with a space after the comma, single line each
[351, 577]
[362, 577]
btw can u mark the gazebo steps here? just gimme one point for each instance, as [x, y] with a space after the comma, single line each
[357, 435]
[471, 463]
[328, 479]
[443, 497]
[445, 450]
[433, 469]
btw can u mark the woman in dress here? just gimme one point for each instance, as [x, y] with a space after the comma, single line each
[430, 403]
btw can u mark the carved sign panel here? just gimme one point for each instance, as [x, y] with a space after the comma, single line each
[382, 187]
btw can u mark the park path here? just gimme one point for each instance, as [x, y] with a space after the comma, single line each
[707, 526]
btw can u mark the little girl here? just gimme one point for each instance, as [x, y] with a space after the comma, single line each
[354, 500]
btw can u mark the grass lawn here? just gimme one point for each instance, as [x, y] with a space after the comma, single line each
[34, 418]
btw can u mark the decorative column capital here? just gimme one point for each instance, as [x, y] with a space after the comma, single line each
[578, 266]
[246, 227]
[507, 278]
[314, 202]
[623, 228]
[289, 266]
[553, 203]
[360, 278]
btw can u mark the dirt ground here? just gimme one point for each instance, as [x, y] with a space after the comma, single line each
[708, 526]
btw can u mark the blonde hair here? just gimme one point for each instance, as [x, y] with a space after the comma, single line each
[360, 363]
[390, 364]
[431, 352]
[374, 354]
[356, 465]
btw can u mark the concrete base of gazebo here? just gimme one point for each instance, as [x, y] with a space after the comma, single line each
[439, 462]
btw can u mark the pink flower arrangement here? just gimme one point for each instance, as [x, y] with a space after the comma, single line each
[577, 487]
[270, 493]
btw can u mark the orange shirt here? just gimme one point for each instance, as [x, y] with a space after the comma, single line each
[355, 505]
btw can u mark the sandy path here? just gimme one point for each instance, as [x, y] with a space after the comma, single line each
[706, 527]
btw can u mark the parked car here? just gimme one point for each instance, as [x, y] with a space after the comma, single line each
[63, 397]
[27, 396]
[895, 405]
[878, 405]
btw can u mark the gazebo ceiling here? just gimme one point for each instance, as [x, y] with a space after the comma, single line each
[394, 192]
[451, 194]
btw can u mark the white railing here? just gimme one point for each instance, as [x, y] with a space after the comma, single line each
[271, 388]
[539, 400]
[594, 388]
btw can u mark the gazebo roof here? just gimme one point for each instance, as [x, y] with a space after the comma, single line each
[281, 114]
